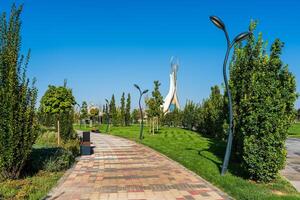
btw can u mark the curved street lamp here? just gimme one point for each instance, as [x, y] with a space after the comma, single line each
[107, 115]
[242, 36]
[141, 111]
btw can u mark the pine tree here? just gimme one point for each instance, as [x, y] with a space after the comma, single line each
[122, 110]
[127, 111]
[17, 99]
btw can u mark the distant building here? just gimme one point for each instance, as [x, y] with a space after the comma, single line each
[171, 101]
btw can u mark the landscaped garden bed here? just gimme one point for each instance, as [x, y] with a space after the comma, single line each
[46, 165]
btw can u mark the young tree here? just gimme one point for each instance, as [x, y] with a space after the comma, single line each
[135, 115]
[127, 110]
[84, 111]
[264, 93]
[189, 115]
[212, 111]
[122, 110]
[58, 101]
[113, 111]
[94, 113]
[17, 99]
[154, 105]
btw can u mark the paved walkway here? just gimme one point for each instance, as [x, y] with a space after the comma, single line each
[292, 169]
[123, 170]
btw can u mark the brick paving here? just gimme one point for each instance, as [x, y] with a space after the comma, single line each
[292, 168]
[120, 169]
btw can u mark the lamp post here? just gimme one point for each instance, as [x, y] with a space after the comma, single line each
[242, 36]
[107, 115]
[141, 111]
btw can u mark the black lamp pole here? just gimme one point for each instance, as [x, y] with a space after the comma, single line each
[242, 36]
[141, 111]
[107, 115]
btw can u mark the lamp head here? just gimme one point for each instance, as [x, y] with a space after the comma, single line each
[145, 91]
[217, 22]
[106, 100]
[137, 87]
[242, 36]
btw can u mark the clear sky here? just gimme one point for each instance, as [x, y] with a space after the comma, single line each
[104, 46]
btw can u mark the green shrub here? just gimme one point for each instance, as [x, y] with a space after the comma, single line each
[49, 159]
[73, 146]
[61, 160]
[264, 93]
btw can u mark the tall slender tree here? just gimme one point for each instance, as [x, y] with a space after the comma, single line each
[122, 110]
[83, 112]
[113, 111]
[17, 99]
[127, 110]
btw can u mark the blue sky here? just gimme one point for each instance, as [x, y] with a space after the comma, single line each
[103, 47]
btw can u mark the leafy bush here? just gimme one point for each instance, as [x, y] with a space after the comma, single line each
[173, 118]
[73, 146]
[61, 160]
[17, 99]
[264, 92]
[49, 159]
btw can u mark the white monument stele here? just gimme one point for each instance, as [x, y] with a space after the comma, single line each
[171, 101]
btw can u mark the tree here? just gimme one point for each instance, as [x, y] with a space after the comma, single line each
[264, 93]
[212, 114]
[94, 113]
[173, 118]
[122, 110]
[135, 115]
[154, 105]
[18, 123]
[127, 110]
[189, 115]
[113, 111]
[84, 111]
[58, 101]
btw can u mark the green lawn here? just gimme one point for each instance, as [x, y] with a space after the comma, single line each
[203, 156]
[294, 131]
[35, 183]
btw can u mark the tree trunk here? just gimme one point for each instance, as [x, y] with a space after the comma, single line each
[153, 126]
[58, 133]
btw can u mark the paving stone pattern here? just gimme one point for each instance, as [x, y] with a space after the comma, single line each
[120, 169]
[292, 168]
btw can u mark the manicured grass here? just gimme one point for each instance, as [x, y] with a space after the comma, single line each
[36, 183]
[204, 156]
[294, 131]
